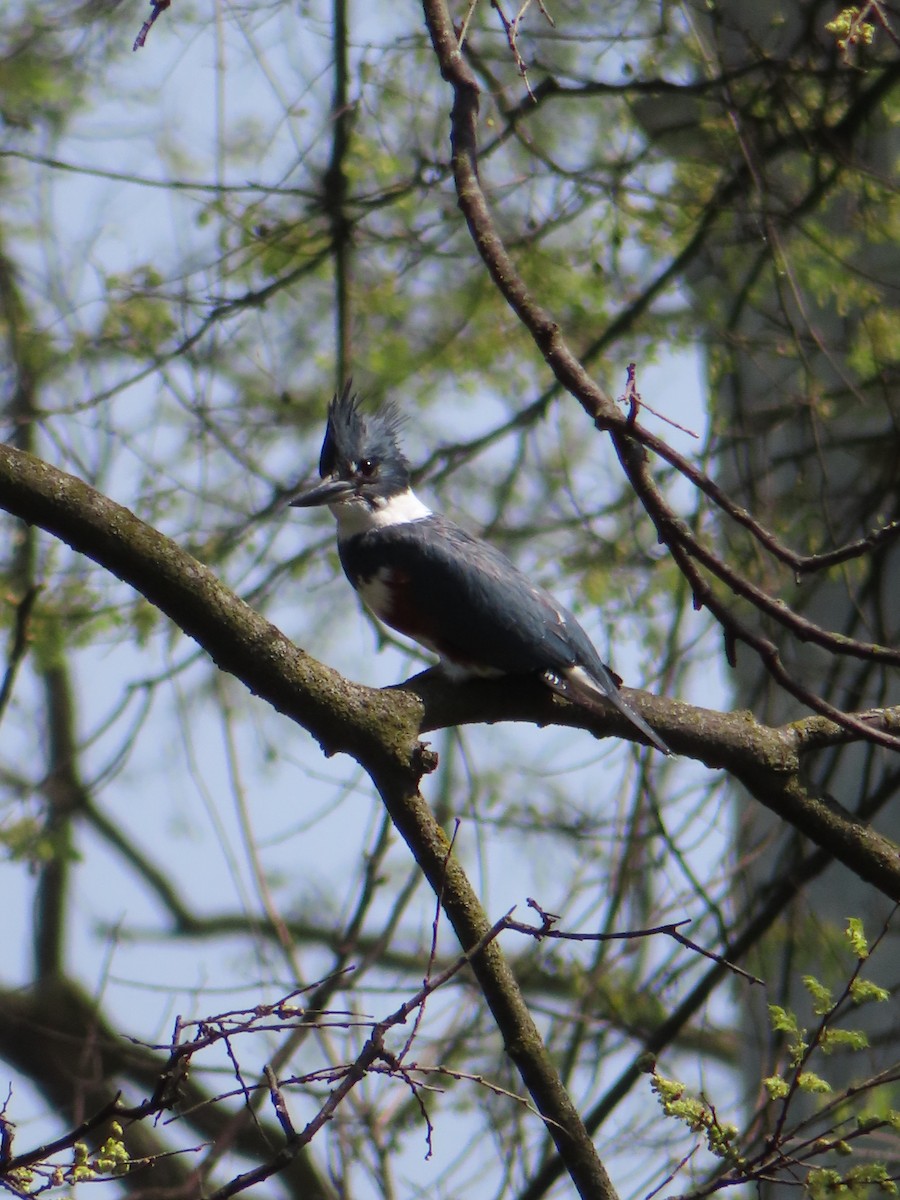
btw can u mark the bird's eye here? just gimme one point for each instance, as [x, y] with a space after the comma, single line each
[367, 467]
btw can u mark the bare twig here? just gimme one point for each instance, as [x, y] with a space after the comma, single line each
[635, 401]
[669, 930]
[156, 7]
[372, 1052]
[278, 1103]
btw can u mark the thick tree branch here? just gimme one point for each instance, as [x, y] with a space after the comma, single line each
[380, 728]
[768, 761]
[340, 716]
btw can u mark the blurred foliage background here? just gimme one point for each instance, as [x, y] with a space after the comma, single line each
[198, 243]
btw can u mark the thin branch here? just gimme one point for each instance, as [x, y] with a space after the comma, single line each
[373, 1051]
[19, 647]
[156, 7]
[546, 930]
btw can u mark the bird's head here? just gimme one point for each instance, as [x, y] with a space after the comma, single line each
[361, 464]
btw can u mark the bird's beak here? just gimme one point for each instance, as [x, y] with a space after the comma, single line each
[332, 491]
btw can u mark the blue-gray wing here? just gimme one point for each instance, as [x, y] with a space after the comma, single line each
[463, 598]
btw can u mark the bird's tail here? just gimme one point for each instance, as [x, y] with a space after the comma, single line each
[579, 687]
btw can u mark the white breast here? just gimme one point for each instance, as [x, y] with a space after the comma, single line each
[375, 594]
[355, 516]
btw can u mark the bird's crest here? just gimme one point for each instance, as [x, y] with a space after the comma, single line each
[353, 435]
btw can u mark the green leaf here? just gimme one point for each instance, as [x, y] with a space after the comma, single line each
[777, 1087]
[860, 1179]
[842, 1039]
[821, 995]
[668, 1090]
[782, 1019]
[797, 1051]
[26, 840]
[856, 936]
[822, 1183]
[807, 1081]
[863, 990]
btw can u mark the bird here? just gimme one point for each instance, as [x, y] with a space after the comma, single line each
[426, 577]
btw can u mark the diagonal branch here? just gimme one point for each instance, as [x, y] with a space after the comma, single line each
[626, 433]
[380, 727]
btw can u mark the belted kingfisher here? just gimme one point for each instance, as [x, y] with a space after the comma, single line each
[429, 579]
